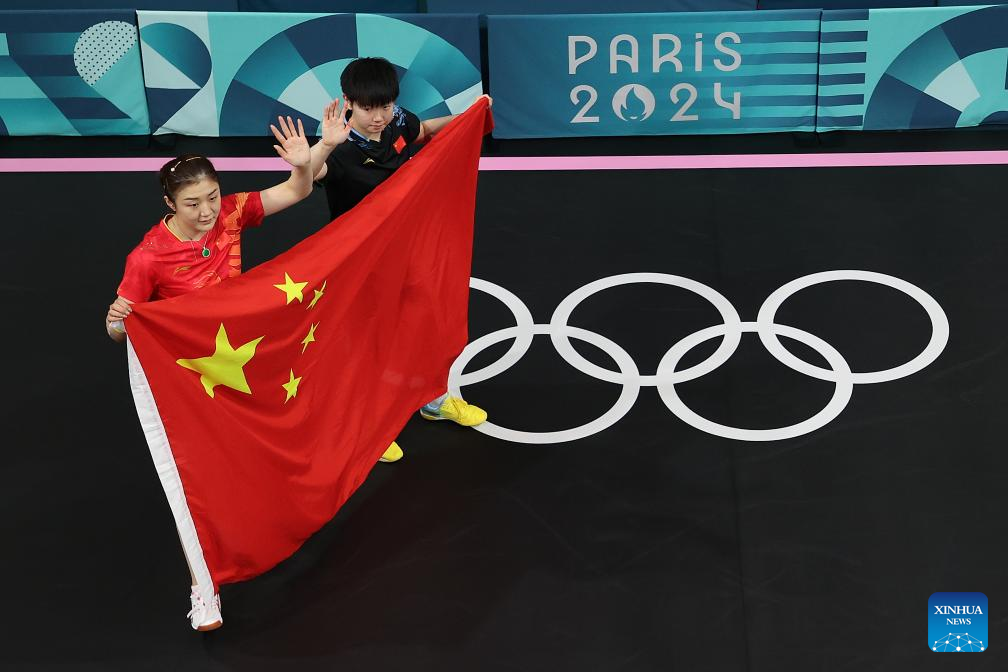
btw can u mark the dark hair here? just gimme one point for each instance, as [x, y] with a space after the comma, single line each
[184, 170]
[370, 82]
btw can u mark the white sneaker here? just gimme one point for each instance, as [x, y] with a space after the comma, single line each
[205, 616]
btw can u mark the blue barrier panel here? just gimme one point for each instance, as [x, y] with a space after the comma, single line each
[232, 74]
[842, 4]
[87, 5]
[329, 6]
[961, 3]
[584, 6]
[939, 67]
[653, 74]
[71, 73]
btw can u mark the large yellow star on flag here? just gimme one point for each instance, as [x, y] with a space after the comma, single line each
[318, 295]
[225, 366]
[310, 338]
[291, 386]
[293, 290]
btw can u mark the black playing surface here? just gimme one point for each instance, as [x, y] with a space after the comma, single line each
[649, 545]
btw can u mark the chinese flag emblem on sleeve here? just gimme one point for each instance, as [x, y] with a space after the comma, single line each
[250, 392]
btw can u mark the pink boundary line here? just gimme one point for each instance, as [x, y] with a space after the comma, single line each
[715, 161]
[533, 163]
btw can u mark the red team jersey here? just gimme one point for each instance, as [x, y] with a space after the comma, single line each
[163, 266]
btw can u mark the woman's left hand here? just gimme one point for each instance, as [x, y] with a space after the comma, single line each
[293, 147]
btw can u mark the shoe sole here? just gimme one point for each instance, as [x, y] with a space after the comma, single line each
[210, 626]
[435, 418]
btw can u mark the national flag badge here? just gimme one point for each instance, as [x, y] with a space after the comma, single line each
[399, 145]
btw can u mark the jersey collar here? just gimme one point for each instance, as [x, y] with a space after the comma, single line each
[358, 139]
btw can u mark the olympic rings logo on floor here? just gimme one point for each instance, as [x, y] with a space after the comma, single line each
[667, 376]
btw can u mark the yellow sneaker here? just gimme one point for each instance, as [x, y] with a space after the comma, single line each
[392, 454]
[458, 411]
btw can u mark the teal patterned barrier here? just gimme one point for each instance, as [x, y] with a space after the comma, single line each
[653, 74]
[233, 73]
[71, 73]
[884, 69]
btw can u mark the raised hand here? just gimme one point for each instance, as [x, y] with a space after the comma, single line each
[293, 147]
[335, 128]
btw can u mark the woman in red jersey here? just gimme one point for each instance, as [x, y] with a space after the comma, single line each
[198, 244]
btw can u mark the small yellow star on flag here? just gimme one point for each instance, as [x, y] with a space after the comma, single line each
[225, 366]
[310, 338]
[291, 386]
[318, 295]
[293, 290]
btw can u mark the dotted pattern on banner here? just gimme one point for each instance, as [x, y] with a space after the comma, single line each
[101, 46]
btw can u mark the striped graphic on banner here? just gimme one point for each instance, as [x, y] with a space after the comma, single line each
[71, 73]
[843, 59]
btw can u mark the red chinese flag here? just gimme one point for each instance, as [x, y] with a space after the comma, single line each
[268, 398]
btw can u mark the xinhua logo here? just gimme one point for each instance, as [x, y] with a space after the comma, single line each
[957, 622]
